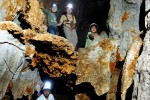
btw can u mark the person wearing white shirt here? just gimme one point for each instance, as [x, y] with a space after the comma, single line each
[46, 93]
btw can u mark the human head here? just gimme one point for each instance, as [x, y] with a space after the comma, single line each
[46, 89]
[93, 27]
[69, 8]
[54, 7]
[46, 92]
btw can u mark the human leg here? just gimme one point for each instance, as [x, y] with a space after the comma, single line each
[67, 33]
[74, 37]
[53, 30]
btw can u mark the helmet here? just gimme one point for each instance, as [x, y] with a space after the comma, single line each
[47, 85]
[55, 5]
[70, 6]
[93, 24]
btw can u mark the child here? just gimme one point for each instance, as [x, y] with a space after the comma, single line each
[52, 19]
[68, 20]
[92, 35]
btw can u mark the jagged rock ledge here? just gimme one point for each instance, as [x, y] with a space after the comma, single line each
[54, 54]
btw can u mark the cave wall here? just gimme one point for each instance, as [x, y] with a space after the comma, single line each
[141, 77]
[124, 23]
[123, 20]
[26, 47]
[56, 57]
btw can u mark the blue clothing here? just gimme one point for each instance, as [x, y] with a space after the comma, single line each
[52, 23]
[53, 30]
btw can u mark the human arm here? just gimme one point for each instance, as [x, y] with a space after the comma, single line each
[73, 23]
[62, 20]
[91, 36]
[45, 10]
[59, 24]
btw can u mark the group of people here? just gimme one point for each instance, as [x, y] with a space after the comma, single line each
[68, 21]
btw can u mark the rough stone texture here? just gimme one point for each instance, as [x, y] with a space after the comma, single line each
[94, 65]
[54, 54]
[34, 16]
[111, 95]
[129, 65]
[10, 8]
[124, 23]
[28, 9]
[124, 16]
[30, 41]
[142, 77]
[82, 96]
[147, 21]
[26, 84]
[12, 60]
[147, 3]
[97, 66]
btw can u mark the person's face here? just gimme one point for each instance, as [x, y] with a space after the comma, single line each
[46, 93]
[54, 9]
[69, 11]
[93, 29]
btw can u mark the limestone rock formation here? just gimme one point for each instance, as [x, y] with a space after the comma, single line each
[25, 45]
[123, 21]
[27, 50]
[141, 77]
[147, 3]
[12, 60]
[113, 84]
[50, 50]
[28, 82]
[129, 65]
[94, 65]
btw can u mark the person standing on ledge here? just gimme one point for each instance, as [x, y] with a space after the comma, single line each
[68, 20]
[51, 18]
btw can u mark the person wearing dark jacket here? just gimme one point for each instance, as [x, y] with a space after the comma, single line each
[52, 19]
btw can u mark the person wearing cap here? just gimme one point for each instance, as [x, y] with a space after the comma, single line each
[51, 18]
[68, 20]
[46, 93]
[92, 35]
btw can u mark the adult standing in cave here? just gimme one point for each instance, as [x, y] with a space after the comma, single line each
[68, 20]
[51, 18]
